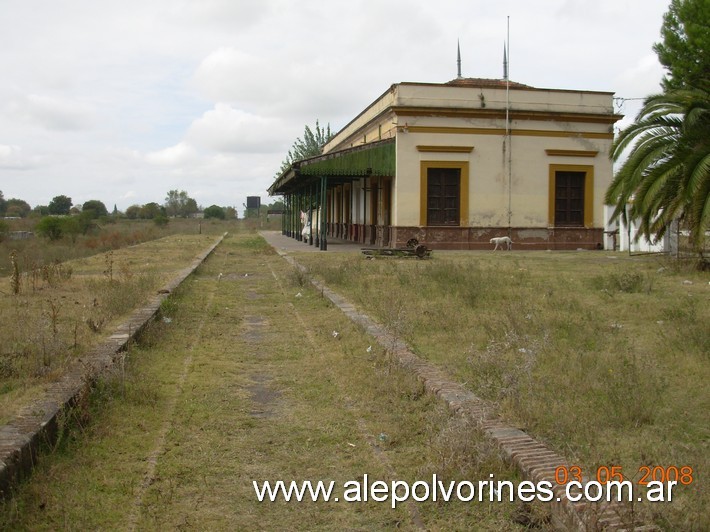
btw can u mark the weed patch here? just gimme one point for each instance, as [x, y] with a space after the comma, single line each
[629, 282]
[298, 277]
[601, 356]
[256, 245]
[61, 308]
[115, 297]
[291, 402]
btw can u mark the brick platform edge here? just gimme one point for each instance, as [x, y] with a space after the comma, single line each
[38, 424]
[535, 461]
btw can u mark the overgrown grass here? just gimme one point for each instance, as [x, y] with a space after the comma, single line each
[39, 250]
[248, 383]
[54, 312]
[630, 282]
[256, 245]
[603, 356]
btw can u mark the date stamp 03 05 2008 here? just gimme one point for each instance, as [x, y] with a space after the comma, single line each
[682, 475]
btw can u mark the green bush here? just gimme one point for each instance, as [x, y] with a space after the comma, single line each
[161, 220]
[215, 211]
[51, 227]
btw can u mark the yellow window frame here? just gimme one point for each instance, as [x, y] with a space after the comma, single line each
[463, 166]
[588, 170]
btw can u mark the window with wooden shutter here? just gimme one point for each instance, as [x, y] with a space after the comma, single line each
[443, 196]
[569, 198]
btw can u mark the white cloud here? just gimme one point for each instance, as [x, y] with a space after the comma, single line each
[12, 158]
[178, 155]
[279, 86]
[52, 113]
[634, 84]
[123, 100]
[640, 78]
[230, 75]
[226, 129]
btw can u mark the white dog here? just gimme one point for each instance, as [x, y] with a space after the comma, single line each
[502, 241]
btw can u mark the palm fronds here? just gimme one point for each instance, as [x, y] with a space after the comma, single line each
[667, 172]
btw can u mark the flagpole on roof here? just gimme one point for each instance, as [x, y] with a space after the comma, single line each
[458, 58]
[506, 75]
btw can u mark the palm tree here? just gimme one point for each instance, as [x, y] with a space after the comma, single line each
[667, 174]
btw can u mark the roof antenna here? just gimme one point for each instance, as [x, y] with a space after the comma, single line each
[458, 60]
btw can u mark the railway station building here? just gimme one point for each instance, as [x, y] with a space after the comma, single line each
[454, 164]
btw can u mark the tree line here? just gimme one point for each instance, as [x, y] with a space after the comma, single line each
[177, 204]
[61, 217]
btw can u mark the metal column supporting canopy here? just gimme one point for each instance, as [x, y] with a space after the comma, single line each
[302, 179]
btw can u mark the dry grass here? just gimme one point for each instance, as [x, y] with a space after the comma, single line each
[603, 356]
[110, 236]
[62, 309]
[248, 383]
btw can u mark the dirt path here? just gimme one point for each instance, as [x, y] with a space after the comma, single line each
[255, 377]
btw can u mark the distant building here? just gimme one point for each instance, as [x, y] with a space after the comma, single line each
[458, 163]
[21, 235]
[629, 237]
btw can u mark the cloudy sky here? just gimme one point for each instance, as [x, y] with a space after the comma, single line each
[123, 100]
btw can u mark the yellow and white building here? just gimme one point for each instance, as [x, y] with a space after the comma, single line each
[458, 163]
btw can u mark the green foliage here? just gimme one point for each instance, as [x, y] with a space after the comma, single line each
[17, 207]
[55, 227]
[277, 205]
[151, 210]
[257, 245]
[71, 226]
[4, 228]
[161, 220]
[667, 174]
[13, 207]
[169, 307]
[310, 145]
[60, 205]
[685, 50]
[215, 211]
[96, 207]
[50, 227]
[133, 212]
[178, 203]
[86, 221]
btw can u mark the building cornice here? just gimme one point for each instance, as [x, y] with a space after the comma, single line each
[545, 116]
[501, 131]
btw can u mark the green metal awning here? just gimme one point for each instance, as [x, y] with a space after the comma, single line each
[373, 159]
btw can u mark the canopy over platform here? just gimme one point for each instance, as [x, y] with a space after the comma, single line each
[373, 159]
